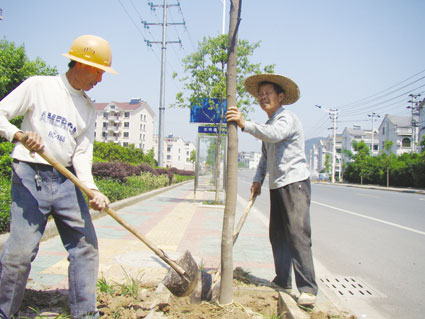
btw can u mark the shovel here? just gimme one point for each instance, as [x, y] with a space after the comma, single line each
[181, 278]
[214, 286]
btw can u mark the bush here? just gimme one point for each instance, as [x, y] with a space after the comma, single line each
[115, 170]
[5, 202]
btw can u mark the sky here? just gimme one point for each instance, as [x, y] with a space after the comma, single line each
[358, 57]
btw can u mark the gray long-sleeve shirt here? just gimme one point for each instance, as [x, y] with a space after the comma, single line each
[283, 154]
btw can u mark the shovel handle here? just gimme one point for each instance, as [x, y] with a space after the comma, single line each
[237, 230]
[90, 194]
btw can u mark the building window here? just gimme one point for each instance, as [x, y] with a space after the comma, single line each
[105, 124]
[168, 148]
[168, 157]
[103, 134]
[105, 114]
[126, 134]
[405, 142]
[125, 144]
[127, 124]
[127, 114]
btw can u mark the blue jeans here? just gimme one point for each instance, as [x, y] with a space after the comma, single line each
[31, 205]
[290, 236]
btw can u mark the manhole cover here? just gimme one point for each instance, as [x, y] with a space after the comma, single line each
[349, 287]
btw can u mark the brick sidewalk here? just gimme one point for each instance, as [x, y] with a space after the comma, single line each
[175, 222]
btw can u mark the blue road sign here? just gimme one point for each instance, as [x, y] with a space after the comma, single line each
[208, 112]
[211, 130]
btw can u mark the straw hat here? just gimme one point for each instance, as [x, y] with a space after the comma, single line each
[292, 92]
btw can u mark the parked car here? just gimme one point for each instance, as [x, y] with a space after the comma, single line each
[324, 177]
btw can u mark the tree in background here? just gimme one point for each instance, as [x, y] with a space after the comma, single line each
[15, 67]
[205, 79]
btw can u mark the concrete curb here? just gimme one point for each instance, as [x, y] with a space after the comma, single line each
[287, 308]
[383, 188]
[52, 231]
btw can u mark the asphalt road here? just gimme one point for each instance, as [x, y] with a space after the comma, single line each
[375, 238]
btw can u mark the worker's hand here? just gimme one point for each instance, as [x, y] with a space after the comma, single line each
[255, 189]
[32, 140]
[234, 115]
[99, 201]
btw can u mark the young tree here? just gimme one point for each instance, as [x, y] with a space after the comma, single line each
[226, 287]
[389, 158]
[205, 79]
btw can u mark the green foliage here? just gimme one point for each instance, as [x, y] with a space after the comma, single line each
[15, 67]
[406, 170]
[110, 152]
[134, 185]
[5, 159]
[5, 202]
[205, 72]
[193, 156]
[104, 286]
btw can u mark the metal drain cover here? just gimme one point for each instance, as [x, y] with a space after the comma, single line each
[349, 287]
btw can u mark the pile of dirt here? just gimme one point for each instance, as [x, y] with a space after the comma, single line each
[252, 298]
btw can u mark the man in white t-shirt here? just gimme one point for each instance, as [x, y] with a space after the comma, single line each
[58, 118]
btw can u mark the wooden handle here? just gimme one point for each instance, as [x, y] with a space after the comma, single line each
[160, 253]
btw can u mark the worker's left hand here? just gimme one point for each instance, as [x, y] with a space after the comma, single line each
[99, 201]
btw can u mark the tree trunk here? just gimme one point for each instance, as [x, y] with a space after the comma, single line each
[388, 177]
[217, 165]
[226, 285]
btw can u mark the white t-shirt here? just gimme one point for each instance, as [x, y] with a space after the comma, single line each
[63, 116]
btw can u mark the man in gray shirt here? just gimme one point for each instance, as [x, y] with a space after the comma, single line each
[283, 157]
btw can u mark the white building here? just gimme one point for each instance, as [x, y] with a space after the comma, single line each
[249, 159]
[349, 135]
[125, 123]
[176, 152]
[397, 129]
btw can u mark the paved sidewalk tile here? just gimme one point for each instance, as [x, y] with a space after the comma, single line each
[175, 222]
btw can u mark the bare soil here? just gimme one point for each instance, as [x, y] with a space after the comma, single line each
[134, 300]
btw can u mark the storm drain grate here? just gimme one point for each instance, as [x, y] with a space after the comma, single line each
[349, 287]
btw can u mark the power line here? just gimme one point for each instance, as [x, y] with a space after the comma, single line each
[380, 92]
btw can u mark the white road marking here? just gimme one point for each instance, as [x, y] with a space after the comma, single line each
[371, 218]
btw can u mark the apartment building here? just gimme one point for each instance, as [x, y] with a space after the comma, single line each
[176, 152]
[249, 159]
[126, 123]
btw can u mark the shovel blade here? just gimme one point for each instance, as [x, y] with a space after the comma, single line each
[179, 285]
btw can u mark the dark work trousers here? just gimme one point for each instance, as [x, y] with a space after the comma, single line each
[290, 236]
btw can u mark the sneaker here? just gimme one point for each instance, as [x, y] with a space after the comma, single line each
[306, 299]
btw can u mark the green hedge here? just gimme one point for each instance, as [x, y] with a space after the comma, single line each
[115, 190]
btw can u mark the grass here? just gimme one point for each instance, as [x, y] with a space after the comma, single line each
[104, 287]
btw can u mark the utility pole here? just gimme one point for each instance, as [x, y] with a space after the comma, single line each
[373, 115]
[223, 27]
[415, 113]
[333, 116]
[163, 43]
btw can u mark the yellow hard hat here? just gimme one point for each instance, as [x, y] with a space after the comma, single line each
[91, 50]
